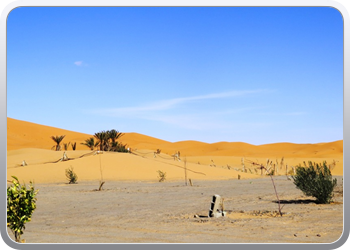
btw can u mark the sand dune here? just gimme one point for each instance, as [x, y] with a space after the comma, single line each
[31, 142]
[132, 183]
[21, 134]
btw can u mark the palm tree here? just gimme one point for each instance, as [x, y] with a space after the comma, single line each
[102, 138]
[106, 140]
[114, 135]
[90, 143]
[58, 140]
[66, 145]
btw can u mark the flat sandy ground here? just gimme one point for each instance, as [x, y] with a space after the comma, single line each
[135, 208]
[154, 212]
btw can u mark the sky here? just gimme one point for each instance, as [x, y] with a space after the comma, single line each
[251, 74]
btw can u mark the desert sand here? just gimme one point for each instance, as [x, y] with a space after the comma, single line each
[145, 210]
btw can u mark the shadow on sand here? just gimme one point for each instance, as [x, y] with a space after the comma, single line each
[307, 201]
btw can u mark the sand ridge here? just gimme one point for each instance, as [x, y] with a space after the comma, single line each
[204, 161]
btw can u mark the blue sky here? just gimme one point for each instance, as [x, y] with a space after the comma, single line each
[256, 75]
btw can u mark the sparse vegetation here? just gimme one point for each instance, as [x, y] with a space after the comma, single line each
[57, 140]
[262, 167]
[161, 176]
[90, 143]
[107, 141]
[21, 203]
[102, 138]
[315, 180]
[66, 145]
[74, 146]
[71, 175]
[119, 147]
[291, 171]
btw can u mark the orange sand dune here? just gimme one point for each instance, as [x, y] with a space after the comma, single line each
[43, 168]
[31, 142]
[21, 134]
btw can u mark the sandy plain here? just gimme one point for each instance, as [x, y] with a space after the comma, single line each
[135, 208]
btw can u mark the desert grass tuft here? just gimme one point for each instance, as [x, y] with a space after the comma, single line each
[71, 175]
[161, 176]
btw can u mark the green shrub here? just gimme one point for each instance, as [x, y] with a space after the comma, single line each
[315, 180]
[71, 176]
[20, 206]
[90, 143]
[119, 147]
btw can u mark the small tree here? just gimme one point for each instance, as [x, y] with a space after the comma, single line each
[58, 140]
[114, 135]
[90, 143]
[315, 180]
[102, 138]
[20, 206]
[107, 141]
[119, 147]
[71, 176]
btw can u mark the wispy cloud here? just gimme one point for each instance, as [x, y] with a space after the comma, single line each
[172, 103]
[81, 64]
[297, 113]
[190, 121]
[78, 63]
[167, 112]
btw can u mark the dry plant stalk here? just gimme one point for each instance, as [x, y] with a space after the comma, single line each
[282, 162]
[185, 161]
[332, 165]
[222, 205]
[243, 166]
[101, 181]
[276, 169]
[267, 165]
[101, 184]
[261, 166]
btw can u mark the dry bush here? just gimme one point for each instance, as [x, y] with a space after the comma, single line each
[161, 176]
